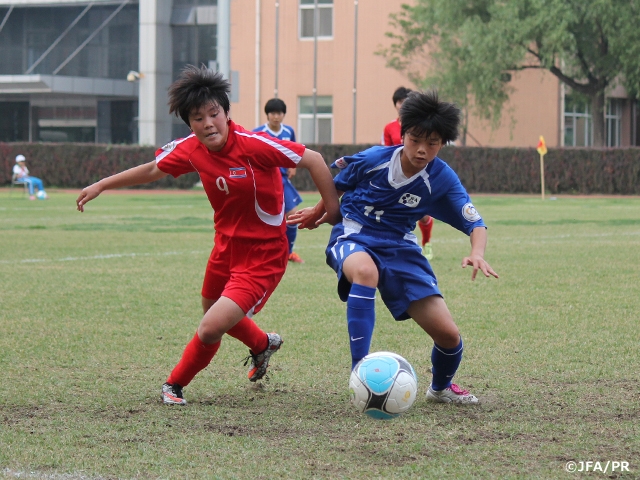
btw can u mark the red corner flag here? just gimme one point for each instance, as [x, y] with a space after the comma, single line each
[542, 147]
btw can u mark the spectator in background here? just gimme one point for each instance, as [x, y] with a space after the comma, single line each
[391, 136]
[21, 173]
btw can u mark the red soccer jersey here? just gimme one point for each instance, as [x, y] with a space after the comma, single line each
[242, 181]
[391, 134]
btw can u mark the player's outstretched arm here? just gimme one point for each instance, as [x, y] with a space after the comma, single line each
[146, 173]
[310, 217]
[321, 176]
[476, 257]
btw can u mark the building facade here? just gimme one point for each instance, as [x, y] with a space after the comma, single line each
[98, 71]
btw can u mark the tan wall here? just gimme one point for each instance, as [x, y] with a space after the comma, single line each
[534, 107]
[535, 104]
[375, 82]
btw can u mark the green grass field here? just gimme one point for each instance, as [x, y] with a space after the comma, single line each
[96, 308]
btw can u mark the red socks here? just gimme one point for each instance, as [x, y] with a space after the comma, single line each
[196, 357]
[425, 228]
[249, 333]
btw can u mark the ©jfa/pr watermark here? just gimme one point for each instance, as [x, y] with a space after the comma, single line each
[603, 467]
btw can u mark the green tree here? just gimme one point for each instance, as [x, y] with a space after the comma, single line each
[469, 49]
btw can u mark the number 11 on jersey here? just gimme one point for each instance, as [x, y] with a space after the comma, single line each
[377, 213]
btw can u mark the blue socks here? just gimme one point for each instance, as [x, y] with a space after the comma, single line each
[292, 233]
[445, 363]
[361, 318]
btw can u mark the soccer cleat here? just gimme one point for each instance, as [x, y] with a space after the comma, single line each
[172, 394]
[427, 251]
[451, 394]
[260, 362]
[295, 258]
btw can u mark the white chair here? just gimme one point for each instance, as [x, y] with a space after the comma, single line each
[16, 181]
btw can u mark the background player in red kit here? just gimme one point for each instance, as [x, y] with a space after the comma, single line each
[240, 174]
[391, 136]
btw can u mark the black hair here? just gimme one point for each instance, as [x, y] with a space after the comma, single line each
[196, 87]
[400, 94]
[422, 113]
[275, 105]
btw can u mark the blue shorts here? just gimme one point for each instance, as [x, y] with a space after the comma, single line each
[291, 196]
[405, 274]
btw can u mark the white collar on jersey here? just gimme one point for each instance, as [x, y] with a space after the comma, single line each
[275, 134]
[397, 178]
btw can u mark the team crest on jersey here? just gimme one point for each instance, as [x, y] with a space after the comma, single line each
[239, 172]
[470, 213]
[409, 200]
[169, 146]
[341, 163]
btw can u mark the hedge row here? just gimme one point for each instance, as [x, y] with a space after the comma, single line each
[486, 170]
[76, 165]
[570, 171]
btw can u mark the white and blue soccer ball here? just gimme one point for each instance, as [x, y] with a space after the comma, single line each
[41, 195]
[383, 385]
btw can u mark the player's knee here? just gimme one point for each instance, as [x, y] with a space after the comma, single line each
[448, 338]
[365, 274]
[209, 334]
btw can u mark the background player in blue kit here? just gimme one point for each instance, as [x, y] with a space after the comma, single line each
[276, 109]
[386, 190]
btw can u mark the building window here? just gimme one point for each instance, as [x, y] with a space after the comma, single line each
[14, 122]
[194, 45]
[56, 122]
[578, 125]
[27, 33]
[613, 118]
[320, 131]
[306, 18]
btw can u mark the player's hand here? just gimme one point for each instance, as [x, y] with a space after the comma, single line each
[478, 263]
[291, 173]
[331, 219]
[86, 195]
[308, 218]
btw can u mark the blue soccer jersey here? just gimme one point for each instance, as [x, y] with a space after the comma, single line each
[286, 132]
[380, 208]
[382, 199]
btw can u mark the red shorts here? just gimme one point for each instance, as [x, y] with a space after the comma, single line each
[246, 271]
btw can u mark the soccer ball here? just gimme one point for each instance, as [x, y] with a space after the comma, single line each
[41, 195]
[383, 385]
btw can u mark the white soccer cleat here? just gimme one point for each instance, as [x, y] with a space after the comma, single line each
[172, 395]
[451, 394]
[260, 362]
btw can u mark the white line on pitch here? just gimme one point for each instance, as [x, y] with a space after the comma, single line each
[101, 257]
